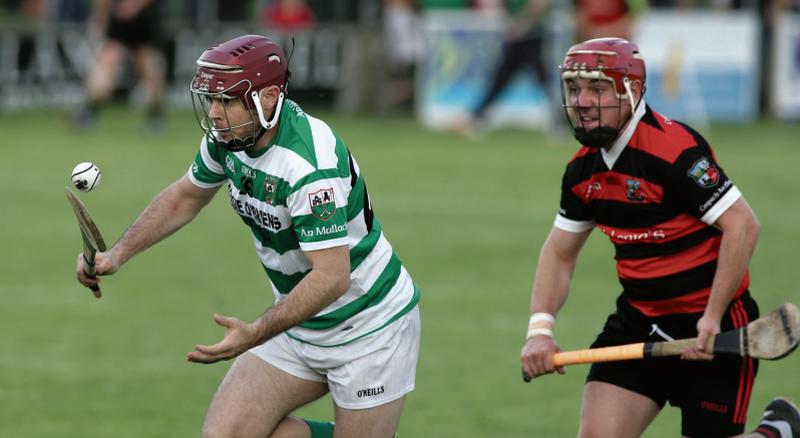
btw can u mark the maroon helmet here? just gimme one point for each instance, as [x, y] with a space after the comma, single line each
[611, 59]
[239, 69]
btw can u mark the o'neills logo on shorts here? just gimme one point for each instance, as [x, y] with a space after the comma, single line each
[369, 392]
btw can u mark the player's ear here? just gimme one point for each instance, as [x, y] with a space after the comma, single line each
[269, 97]
[637, 87]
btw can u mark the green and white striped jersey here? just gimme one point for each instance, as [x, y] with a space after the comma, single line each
[305, 192]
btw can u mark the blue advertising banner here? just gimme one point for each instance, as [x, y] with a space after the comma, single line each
[462, 52]
[701, 66]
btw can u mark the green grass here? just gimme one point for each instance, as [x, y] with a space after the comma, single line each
[467, 218]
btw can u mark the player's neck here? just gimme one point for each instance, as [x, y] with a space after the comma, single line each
[622, 130]
[265, 139]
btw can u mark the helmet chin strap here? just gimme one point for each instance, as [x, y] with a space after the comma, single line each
[627, 84]
[267, 124]
[237, 144]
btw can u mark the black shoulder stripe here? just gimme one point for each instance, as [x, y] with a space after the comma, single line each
[698, 138]
[650, 119]
[579, 162]
[369, 215]
[353, 176]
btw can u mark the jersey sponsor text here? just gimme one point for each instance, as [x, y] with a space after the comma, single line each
[323, 231]
[656, 234]
[262, 218]
[716, 195]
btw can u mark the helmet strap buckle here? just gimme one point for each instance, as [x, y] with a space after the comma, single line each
[267, 124]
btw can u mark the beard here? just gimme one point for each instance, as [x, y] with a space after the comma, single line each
[236, 144]
[595, 138]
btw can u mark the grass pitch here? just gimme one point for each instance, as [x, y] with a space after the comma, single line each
[467, 218]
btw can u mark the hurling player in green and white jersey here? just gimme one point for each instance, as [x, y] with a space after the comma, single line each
[346, 319]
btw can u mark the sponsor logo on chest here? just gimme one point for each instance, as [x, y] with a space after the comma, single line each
[263, 218]
[634, 236]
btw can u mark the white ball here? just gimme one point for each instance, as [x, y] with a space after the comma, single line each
[86, 176]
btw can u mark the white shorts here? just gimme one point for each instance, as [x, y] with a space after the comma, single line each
[371, 371]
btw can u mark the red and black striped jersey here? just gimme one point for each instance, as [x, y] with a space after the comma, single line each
[655, 193]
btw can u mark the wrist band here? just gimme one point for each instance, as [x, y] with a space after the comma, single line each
[541, 316]
[539, 331]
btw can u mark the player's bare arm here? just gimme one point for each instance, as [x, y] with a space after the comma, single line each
[170, 210]
[557, 261]
[328, 279]
[740, 229]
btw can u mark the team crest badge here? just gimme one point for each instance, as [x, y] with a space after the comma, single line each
[634, 192]
[322, 203]
[704, 173]
[269, 189]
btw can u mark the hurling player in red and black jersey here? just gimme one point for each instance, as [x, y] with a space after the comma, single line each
[683, 236]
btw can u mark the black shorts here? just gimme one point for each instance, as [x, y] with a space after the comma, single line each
[713, 396]
[141, 30]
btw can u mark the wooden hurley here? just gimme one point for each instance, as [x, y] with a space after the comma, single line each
[92, 239]
[770, 337]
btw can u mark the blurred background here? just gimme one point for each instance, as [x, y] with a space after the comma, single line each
[452, 109]
[732, 60]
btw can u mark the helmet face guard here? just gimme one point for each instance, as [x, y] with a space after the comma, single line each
[225, 137]
[603, 134]
[604, 59]
[239, 69]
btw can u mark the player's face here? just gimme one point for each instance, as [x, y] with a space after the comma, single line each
[593, 103]
[230, 118]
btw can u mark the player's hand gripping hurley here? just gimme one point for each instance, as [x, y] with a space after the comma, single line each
[92, 239]
[770, 337]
